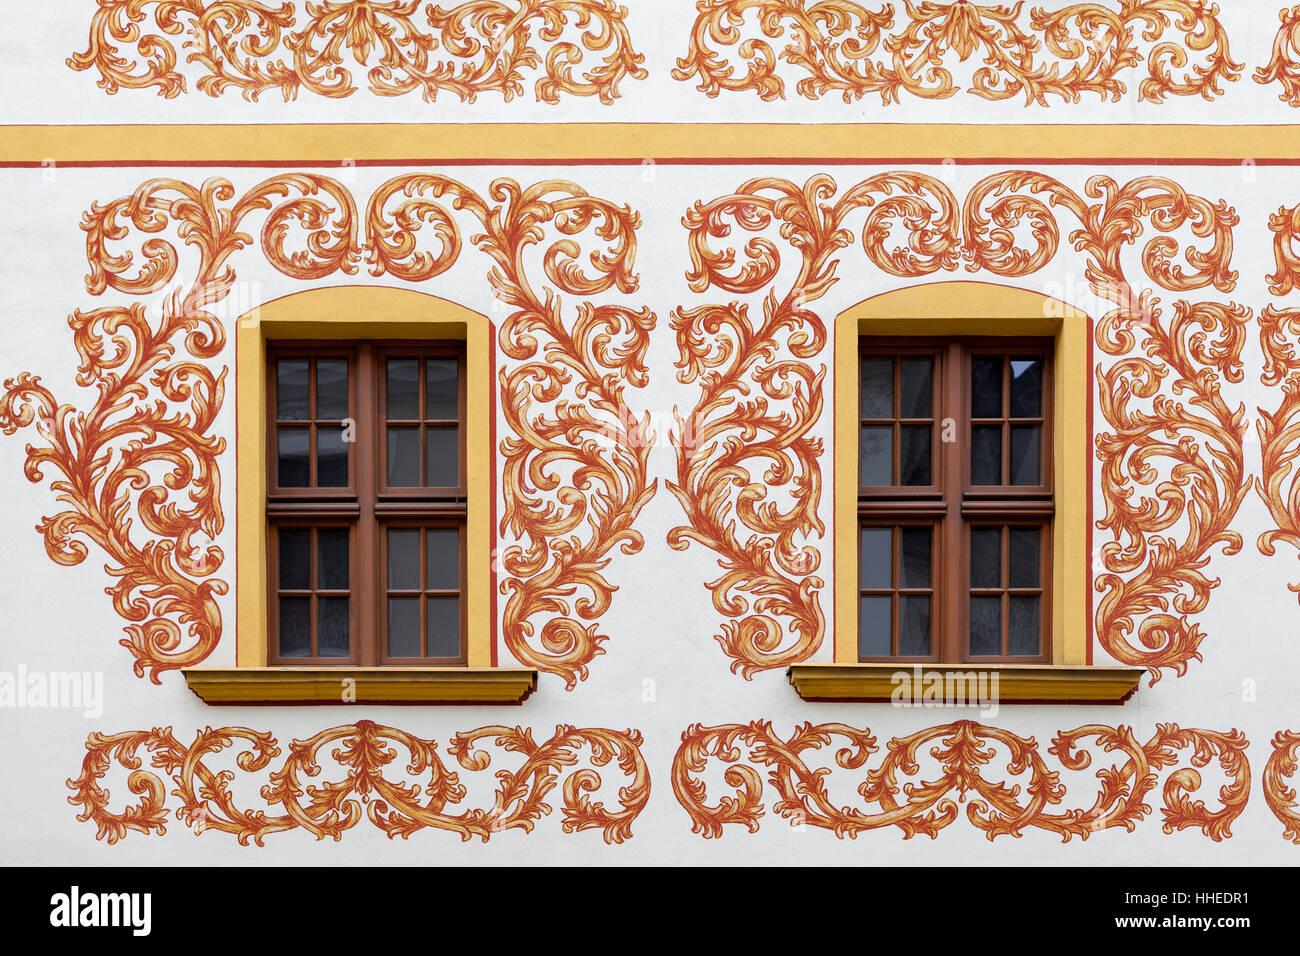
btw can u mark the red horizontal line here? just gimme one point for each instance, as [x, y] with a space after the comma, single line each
[658, 161]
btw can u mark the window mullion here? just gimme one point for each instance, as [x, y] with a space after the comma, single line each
[951, 594]
[366, 636]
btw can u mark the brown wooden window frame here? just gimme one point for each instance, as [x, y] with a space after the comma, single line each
[952, 506]
[368, 506]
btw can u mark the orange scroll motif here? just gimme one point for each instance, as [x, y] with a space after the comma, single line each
[1278, 484]
[254, 47]
[1184, 444]
[400, 796]
[156, 412]
[914, 785]
[1088, 45]
[1284, 66]
[1278, 792]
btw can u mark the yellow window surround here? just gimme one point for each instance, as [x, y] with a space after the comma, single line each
[357, 313]
[972, 308]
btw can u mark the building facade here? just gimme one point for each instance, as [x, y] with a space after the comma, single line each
[741, 431]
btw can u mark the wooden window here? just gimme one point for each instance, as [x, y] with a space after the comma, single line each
[367, 503]
[955, 501]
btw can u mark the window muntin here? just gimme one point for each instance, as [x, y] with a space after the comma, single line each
[970, 601]
[347, 587]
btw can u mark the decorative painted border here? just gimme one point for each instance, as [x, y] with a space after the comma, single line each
[1148, 573]
[155, 411]
[249, 46]
[1076, 49]
[962, 754]
[368, 754]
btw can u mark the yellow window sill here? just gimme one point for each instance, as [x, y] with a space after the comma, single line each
[361, 685]
[1016, 683]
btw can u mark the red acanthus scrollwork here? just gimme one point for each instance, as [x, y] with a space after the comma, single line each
[1148, 572]
[1284, 65]
[253, 47]
[166, 583]
[1278, 792]
[1087, 47]
[393, 778]
[1278, 484]
[922, 778]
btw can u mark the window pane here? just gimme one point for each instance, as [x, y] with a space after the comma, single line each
[1026, 622]
[877, 456]
[404, 627]
[442, 396]
[404, 559]
[332, 572]
[293, 451]
[295, 627]
[986, 557]
[916, 391]
[914, 455]
[985, 626]
[1025, 455]
[403, 389]
[913, 625]
[914, 562]
[443, 559]
[986, 455]
[291, 389]
[1026, 388]
[876, 559]
[295, 559]
[332, 626]
[331, 458]
[443, 626]
[332, 389]
[442, 451]
[986, 387]
[404, 457]
[875, 625]
[1025, 553]
[877, 388]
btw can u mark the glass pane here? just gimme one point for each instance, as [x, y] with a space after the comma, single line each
[914, 455]
[442, 547]
[404, 559]
[1026, 388]
[442, 449]
[916, 390]
[295, 627]
[876, 559]
[985, 626]
[1025, 552]
[404, 457]
[877, 388]
[332, 626]
[914, 562]
[1025, 455]
[442, 396]
[986, 455]
[403, 389]
[985, 557]
[331, 458]
[913, 625]
[332, 572]
[332, 389]
[404, 627]
[875, 626]
[295, 559]
[1025, 626]
[877, 456]
[443, 626]
[293, 451]
[291, 389]
[986, 387]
